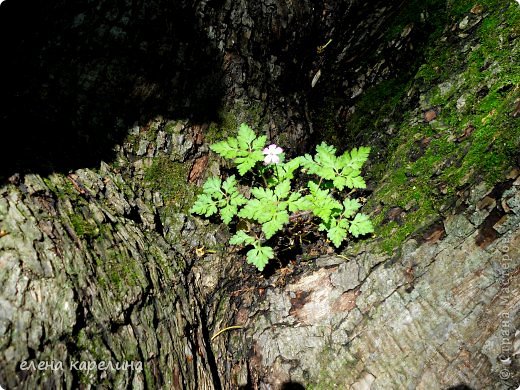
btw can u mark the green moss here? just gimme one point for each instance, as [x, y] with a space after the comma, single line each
[174, 127]
[230, 120]
[457, 8]
[170, 179]
[119, 271]
[225, 127]
[148, 377]
[170, 267]
[83, 228]
[427, 73]
[488, 77]
[93, 344]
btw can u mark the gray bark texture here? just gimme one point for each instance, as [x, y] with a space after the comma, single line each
[100, 260]
[82, 281]
[438, 315]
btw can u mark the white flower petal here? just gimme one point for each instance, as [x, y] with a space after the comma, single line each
[272, 154]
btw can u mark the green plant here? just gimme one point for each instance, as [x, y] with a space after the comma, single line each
[271, 201]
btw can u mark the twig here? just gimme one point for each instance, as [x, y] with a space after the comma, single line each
[225, 329]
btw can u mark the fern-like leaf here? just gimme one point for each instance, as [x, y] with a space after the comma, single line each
[245, 149]
[259, 256]
[322, 204]
[271, 227]
[241, 238]
[204, 205]
[338, 231]
[361, 225]
[350, 206]
[227, 149]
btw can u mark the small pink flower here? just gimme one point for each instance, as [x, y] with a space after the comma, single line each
[272, 154]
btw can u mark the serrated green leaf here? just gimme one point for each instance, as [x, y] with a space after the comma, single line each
[360, 225]
[295, 202]
[259, 143]
[325, 149]
[227, 213]
[222, 203]
[337, 230]
[324, 162]
[204, 205]
[227, 149]
[213, 199]
[313, 187]
[259, 256]
[294, 196]
[337, 234]
[247, 162]
[359, 156]
[222, 149]
[350, 206]
[260, 210]
[238, 199]
[325, 158]
[245, 150]
[250, 210]
[229, 185]
[307, 162]
[263, 193]
[266, 212]
[241, 238]
[344, 171]
[257, 155]
[355, 158]
[300, 204]
[286, 170]
[282, 189]
[245, 137]
[355, 182]
[327, 173]
[233, 144]
[340, 182]
[270, 228]
[329, 208]
[212, 187]
[323, 205]
[244, 164]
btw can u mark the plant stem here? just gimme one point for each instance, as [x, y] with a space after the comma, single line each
[277, 174]
[265, 180]
[262, 170]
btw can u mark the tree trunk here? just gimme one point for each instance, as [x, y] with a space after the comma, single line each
[107, 281]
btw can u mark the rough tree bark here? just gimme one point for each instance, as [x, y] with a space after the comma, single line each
[101, 262]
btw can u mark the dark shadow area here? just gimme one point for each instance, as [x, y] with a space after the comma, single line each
[331, 101]
[75, 76]
[292, 386]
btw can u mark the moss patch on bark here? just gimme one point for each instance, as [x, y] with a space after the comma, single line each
[461, 131]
